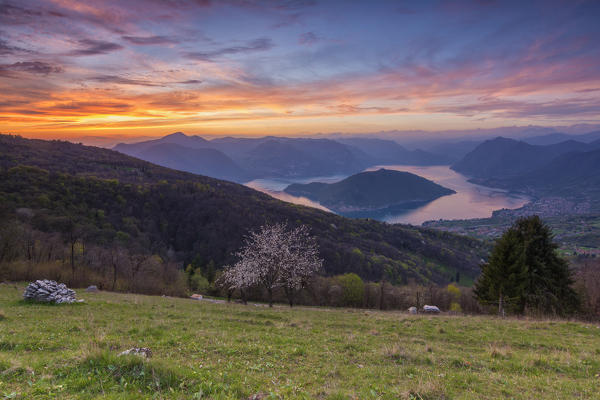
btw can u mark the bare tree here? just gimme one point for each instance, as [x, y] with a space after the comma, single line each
[277, 257]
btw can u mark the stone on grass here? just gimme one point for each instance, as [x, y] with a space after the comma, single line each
[48, 291]
[196, 296]
[137, 351]
[92, 288]
[258, 396]
[431, 309]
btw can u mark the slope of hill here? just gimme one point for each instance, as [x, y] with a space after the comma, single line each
[280, 157]
[554, 138]
[369, 191]
[182, 216]
[389, 152]
[230, 351]
[575, 174]
[501, 157]
[179, 138]
[201, 161]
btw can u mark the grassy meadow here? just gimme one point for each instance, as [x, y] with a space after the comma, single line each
[203, 350]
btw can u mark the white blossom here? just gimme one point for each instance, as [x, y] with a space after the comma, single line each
[275, 257]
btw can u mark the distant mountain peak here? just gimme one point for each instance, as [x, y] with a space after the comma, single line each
[175, 135]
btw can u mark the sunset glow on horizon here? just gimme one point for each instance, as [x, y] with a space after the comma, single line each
[147, 68]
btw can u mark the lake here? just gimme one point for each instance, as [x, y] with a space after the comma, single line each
[469, 201]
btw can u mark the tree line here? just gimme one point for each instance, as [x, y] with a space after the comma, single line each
[280, 263]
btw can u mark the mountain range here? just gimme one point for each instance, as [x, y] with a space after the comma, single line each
[110, 199]
[244, 159]
[371, 191]
[569, 168]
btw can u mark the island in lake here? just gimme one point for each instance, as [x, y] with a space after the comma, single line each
[373, 191]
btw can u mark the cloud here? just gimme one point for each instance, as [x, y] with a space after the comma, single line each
[6, 48]
[260, 44]
[93, 47]
[11, 14]
[308, 38]
[149, 40]
[190, 82]
[33, 67]
[123, 81]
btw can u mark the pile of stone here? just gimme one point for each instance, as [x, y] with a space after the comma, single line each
[48, 291]
[137, 351]
[431, 309]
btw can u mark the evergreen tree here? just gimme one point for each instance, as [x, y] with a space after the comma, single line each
[525, 273]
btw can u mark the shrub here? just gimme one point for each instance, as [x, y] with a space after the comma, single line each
[353, 289]
[198, 283]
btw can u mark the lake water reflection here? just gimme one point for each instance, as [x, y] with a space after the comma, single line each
[469, 201]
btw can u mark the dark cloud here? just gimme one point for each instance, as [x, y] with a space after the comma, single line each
[6, 48]
[123, 81]
[29, 112]
[261, 44]
[91, 106]
[308, 38]
[12, 14]
[149, 40]
[92, 47]
[33, 67]
[190, 82]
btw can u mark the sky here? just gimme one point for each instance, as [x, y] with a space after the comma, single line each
[138, 68]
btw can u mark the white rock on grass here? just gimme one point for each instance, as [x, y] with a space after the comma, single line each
[137, 351]
[431, 309]
[48, 291]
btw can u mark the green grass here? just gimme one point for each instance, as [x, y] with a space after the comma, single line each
[229, 351]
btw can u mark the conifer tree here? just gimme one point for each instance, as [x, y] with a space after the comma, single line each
[525, 273]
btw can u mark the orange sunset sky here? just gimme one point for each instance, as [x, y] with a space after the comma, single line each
[72, 69]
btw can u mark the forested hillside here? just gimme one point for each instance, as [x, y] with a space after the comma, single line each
[504, 158]
[98, 197]
[372, 190]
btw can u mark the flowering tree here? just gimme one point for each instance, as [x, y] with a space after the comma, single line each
[275, 257]
[236, 277]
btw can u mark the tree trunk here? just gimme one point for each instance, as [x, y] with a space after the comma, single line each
[501, 305]
[114, 282]
[73, 262]
[290, 296]
[381, 295]
[270, 290]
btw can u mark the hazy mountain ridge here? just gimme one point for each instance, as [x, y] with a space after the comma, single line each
[569, 169]
[384, 151]
[204, 161]
[373, 190]
[272, 157]
[502, 157]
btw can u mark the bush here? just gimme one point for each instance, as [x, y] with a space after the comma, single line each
[353, 290]
[198, 283]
